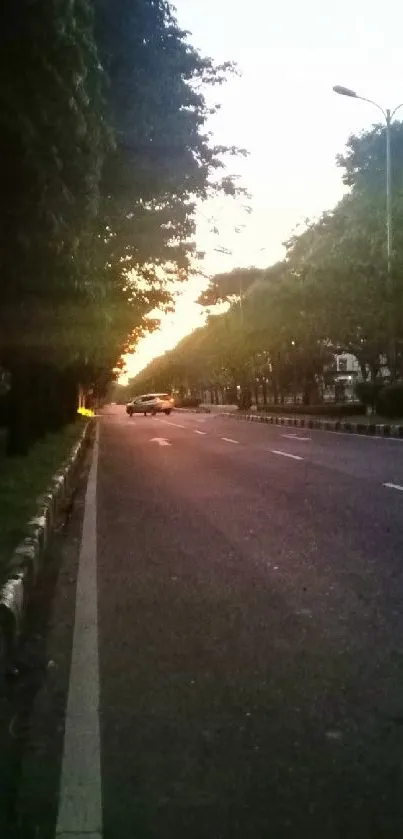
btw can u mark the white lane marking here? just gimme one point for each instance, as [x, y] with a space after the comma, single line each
[296, 437]
[286, 454]
[80, 801]
[174, 424]
[161, 441]
[230, 440]
[394, 486]
[196, 431]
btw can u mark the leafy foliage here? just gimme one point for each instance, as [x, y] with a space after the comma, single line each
[329, 295]
[103, 156]
[230, 287]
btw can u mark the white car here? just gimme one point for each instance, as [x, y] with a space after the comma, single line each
[150, 403]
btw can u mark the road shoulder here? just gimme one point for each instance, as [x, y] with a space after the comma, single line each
[32, 722]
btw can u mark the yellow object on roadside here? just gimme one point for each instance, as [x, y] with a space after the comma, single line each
[86, 412]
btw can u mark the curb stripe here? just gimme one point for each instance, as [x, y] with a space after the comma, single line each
[391, 432]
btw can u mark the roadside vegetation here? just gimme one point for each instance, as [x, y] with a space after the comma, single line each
[103, 155]
[284, 326]
[23, 479]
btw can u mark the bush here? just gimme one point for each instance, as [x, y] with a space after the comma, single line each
[368, 393]
[187, 402]
[348, 409]
[391, 400]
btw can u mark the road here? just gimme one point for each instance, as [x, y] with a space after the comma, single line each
[249, 643]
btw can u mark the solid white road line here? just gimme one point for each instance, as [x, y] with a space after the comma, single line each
[80, 801]
[286, 454]
[196, 431]
[394, 486]
[229, 440]
[296, 437]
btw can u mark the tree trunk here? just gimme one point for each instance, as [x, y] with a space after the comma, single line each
[81, 397]
[231, 395]
[245, 397]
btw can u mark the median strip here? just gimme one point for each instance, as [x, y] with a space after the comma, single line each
[374, 430]
[286, 454]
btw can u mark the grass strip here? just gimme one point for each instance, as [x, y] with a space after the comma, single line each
[24, 479]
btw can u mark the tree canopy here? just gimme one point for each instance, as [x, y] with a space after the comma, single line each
[104, 153]
[328, 295]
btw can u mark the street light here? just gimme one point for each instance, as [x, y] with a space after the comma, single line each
[388, 116]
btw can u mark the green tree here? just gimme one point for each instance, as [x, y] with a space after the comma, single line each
[52, 147]
[163, 160]
[231, 286]
[104, 155]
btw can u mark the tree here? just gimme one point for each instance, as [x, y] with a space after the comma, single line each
[327, 296]
[52, 145]
[103, 157]
[163, 160]
[231, 286]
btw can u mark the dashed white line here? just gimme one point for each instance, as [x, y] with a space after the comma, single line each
[286, 454]
[230, 440]
[394, 486]
[296, 437]
[196, 431]
[174, 424]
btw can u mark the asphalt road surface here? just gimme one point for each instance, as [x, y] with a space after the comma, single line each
[237, 665]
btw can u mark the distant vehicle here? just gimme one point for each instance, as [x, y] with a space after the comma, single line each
[150, 403]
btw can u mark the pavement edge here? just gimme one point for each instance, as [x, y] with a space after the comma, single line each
[28, 557]
[369, 430]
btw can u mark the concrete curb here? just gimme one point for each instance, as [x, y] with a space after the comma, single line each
[220, 410]
[27, 559]
[200, 410]
[370, 430]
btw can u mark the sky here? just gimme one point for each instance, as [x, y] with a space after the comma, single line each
[282, 109]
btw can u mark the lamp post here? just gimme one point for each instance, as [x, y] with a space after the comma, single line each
[388, 116]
